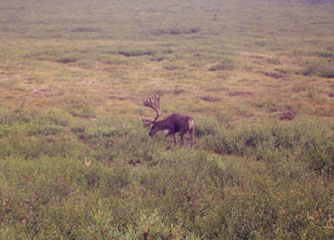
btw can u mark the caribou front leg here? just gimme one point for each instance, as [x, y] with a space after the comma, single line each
[168, 132]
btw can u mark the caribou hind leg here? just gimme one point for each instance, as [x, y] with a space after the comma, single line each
[192, 133]
[175, 141]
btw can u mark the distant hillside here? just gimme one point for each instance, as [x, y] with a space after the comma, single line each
[309, 1]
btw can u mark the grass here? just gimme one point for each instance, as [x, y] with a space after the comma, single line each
[76, 162]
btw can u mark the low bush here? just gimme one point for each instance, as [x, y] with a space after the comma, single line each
[222, 65]
[108, 179]
[79, 107]
[136, 52]
[67, 59]
[324, 69]
[306, 141]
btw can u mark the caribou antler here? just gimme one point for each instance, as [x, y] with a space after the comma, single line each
[154, 103]
[146, 121]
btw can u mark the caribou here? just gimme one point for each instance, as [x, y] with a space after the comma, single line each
[171, 125]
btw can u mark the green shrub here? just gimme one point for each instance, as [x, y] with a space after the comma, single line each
[322, 69]
[308, 141]
[136, 52]
[80, 107]
[320, 158]
[58, 117]
[70, 59]
[207, 126]
[108, 179]
[224, 64]
[326, 54]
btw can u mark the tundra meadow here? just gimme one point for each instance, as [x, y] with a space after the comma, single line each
[256, 75]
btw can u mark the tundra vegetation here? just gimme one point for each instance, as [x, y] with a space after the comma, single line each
[76, 163]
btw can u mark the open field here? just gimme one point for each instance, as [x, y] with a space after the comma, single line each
[76, 163]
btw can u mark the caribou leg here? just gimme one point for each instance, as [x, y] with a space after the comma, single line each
[181, 137]
[175, 141]
[192, 133]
